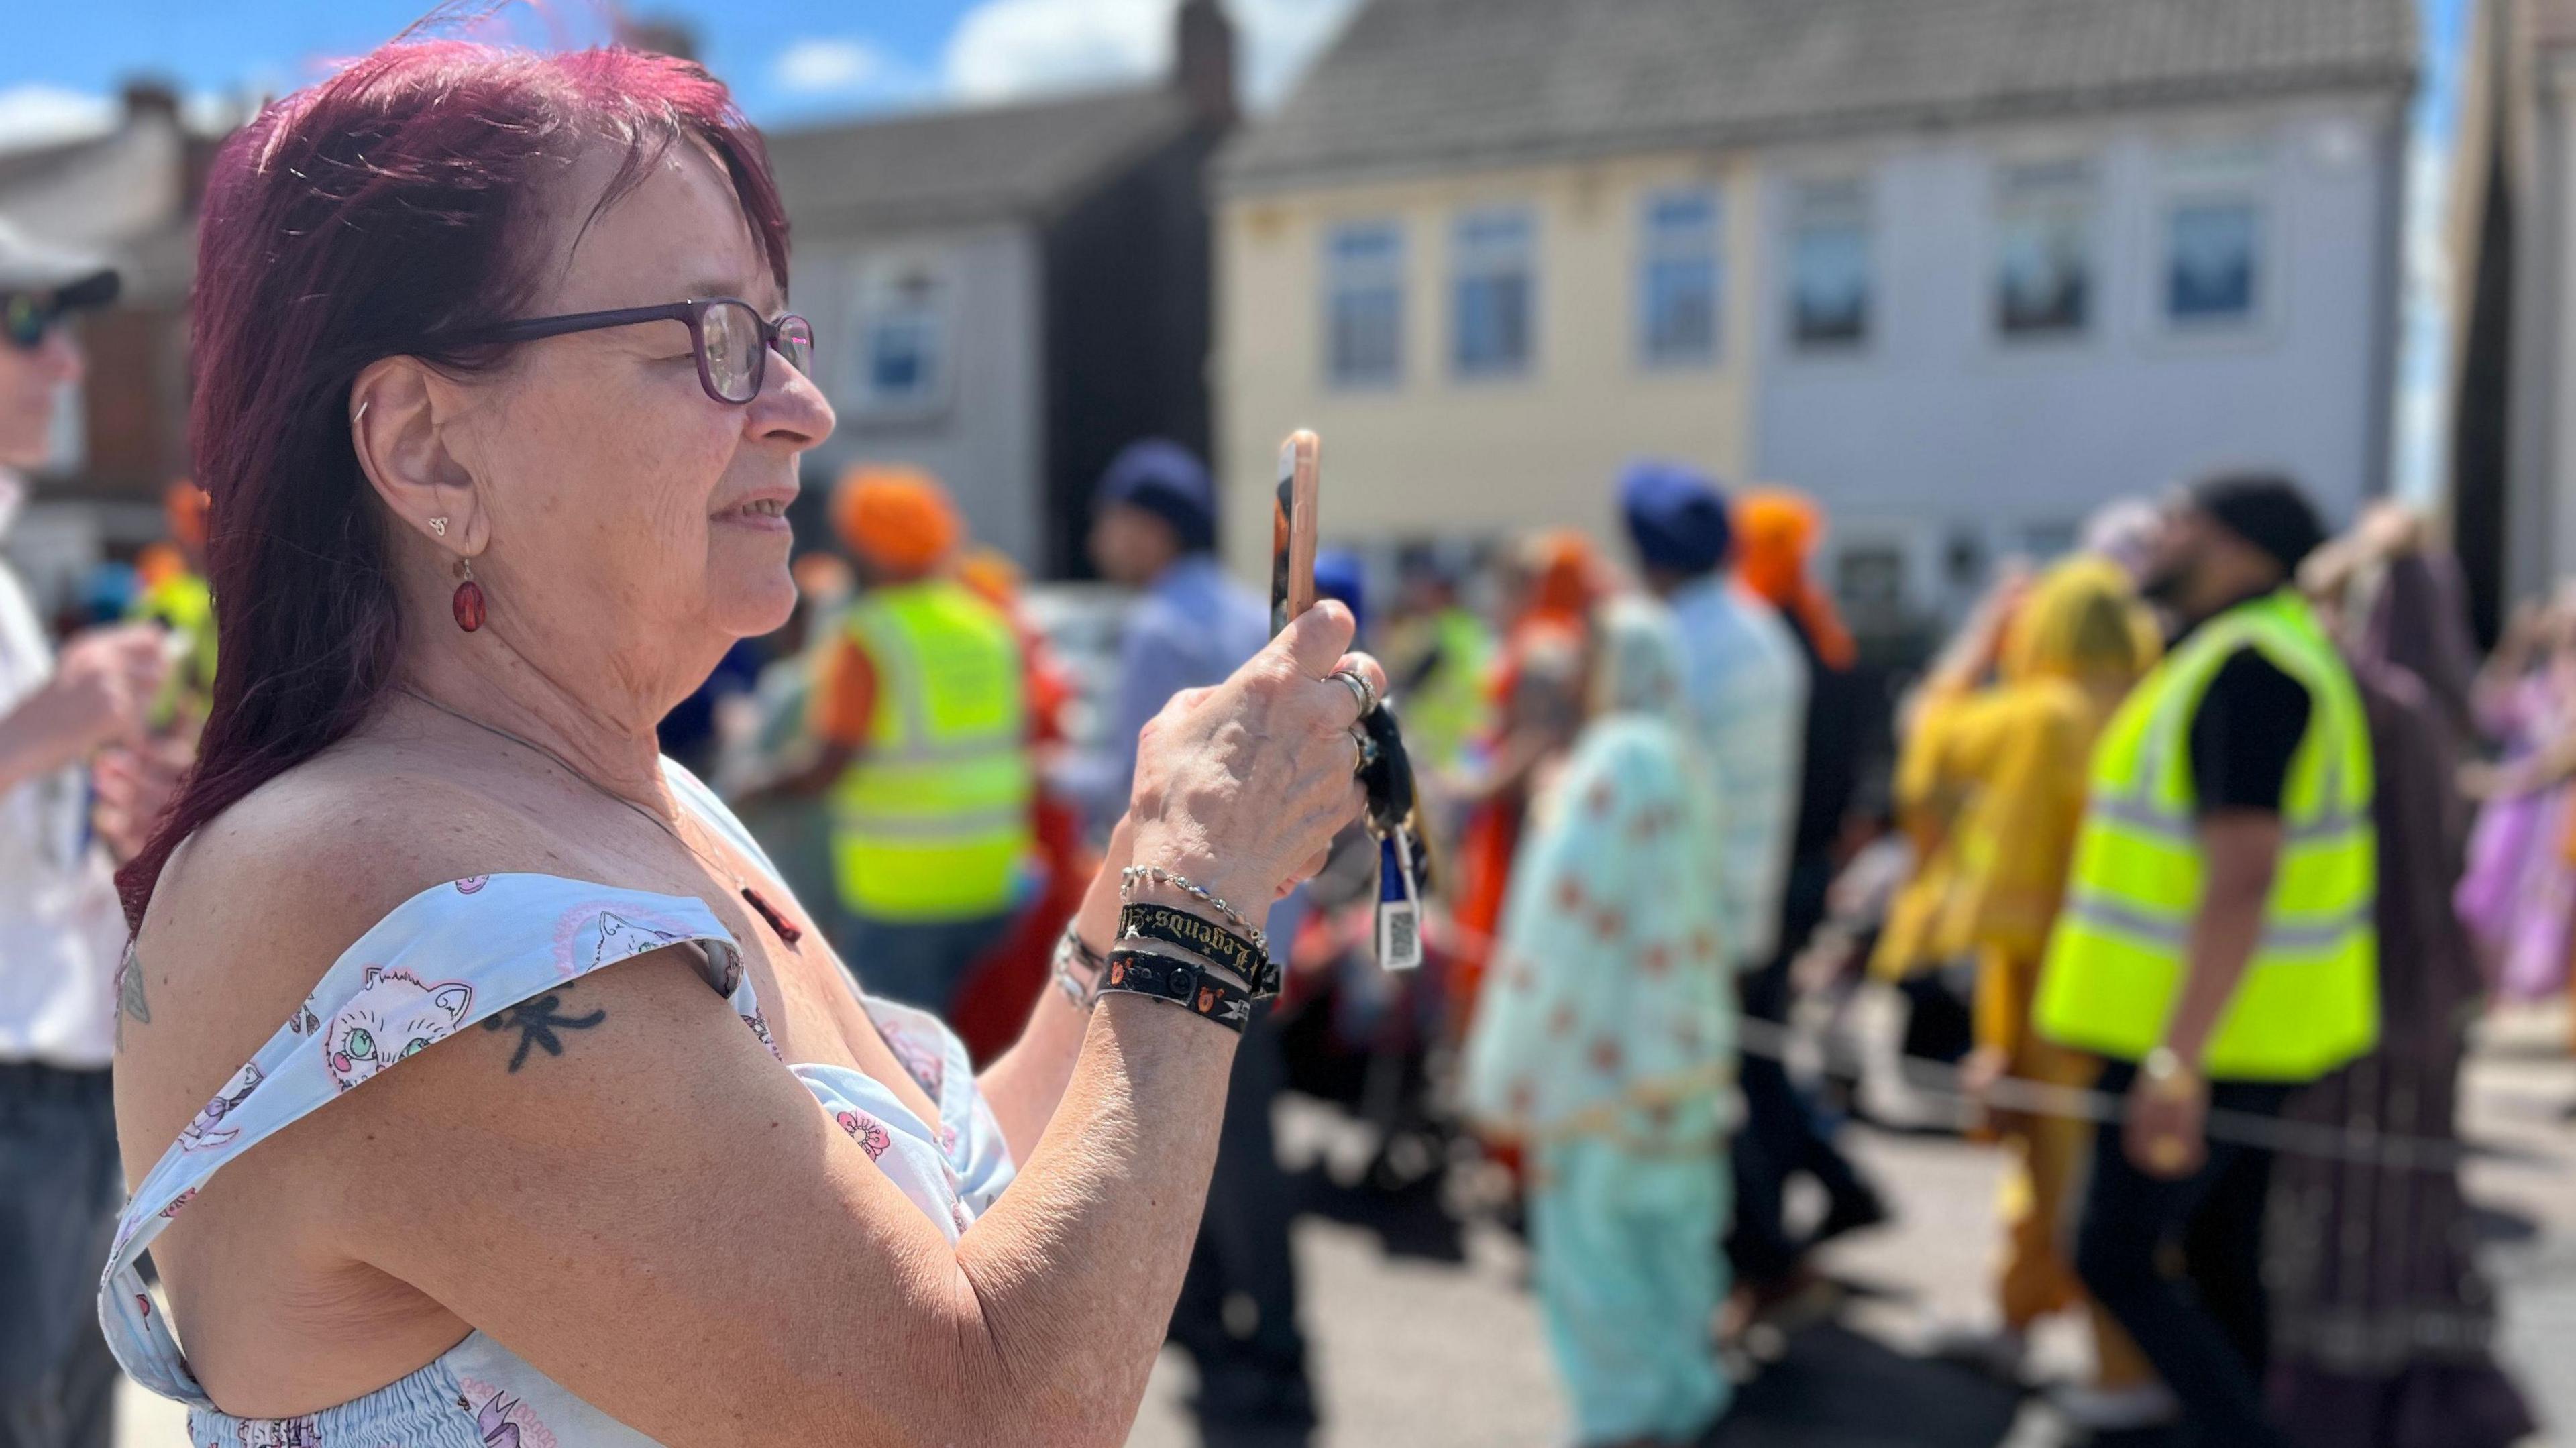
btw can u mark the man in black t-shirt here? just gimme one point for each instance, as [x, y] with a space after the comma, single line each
[2159, 1179]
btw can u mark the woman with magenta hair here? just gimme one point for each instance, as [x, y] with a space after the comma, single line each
[499, 411]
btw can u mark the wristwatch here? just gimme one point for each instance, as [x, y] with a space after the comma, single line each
[2167, 1075]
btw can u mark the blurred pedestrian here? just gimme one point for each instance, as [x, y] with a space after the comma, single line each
[2518, 895]
[174, 595]
[1154, 529]
[1008, 977]
[1439, 652]
[1992, 778]
[1537, 706]
[1605, 1047]
[1785, 1135]
[766, 738]
[2384, 1323]
[61, 933]
[922, 714]
[2217, 941]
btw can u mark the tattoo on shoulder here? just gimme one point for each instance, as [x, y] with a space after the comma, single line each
[539, 1021]
[130, 1004]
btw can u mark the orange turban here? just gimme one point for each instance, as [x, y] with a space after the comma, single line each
[183, 505]
[898, 519]
[1775, 531]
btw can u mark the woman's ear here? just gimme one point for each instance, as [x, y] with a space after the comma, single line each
[398, 414]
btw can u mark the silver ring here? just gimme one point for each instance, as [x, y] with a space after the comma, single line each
[1362, 746]
[1364, 692]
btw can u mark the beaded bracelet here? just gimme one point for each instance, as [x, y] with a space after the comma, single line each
[1204, 938]
[1192, 987]
[1156, 874]
[1078, 969]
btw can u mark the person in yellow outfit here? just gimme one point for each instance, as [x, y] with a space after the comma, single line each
[1991, 786]
[922, 711]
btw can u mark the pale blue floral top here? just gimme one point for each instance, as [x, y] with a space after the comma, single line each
[442, 961]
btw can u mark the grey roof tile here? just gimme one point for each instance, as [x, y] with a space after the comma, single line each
[1418, 83]
[976, 164]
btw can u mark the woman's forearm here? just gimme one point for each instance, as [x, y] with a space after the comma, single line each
[1074, 1270]
[1025, 1083]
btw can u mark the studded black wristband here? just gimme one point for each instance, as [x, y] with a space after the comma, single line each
[1201, 937]
[1186, 984]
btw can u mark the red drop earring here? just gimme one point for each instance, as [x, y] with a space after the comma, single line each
[468, 602]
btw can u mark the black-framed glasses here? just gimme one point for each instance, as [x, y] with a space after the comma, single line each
[730, 337]
[27, 318]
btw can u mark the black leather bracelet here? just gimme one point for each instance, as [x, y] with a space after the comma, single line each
[1186, 984]
[1202, 937]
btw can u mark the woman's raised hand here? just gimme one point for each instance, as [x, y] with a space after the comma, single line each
[1241, 787]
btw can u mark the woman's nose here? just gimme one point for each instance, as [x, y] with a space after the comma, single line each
[790, 407]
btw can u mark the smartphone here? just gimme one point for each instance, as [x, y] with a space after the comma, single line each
[1292, 529]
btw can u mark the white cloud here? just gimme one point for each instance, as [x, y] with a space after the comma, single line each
[1009, 48]
[828, 65]
[32, 115]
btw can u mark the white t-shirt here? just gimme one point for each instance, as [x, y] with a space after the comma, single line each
[61, 932]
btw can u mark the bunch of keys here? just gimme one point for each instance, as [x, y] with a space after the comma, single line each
[1403, 869]
[1383, 770]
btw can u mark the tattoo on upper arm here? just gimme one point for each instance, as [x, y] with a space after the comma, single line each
[537, 1020]
[130, 1004]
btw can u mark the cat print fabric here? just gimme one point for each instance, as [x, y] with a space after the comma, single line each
[450, 960]
[394, 1015]
[206, 1129]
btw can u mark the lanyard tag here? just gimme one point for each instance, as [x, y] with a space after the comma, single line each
[1399, 903]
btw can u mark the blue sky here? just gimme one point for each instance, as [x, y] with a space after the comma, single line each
[809, 60]
[787, 60]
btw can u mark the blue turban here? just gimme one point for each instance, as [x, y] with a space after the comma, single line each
[1676, 516]
[1167, 480]
[1340, 574]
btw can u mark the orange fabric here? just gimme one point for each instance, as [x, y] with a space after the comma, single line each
[159, 563]
[183, 505]
[1776, 533]
[993, 577]
[899, 519]
[845, 699]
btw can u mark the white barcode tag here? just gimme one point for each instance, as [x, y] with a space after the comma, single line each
[1399, 904]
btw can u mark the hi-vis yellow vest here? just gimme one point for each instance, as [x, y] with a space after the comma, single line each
[932, 821]
[2309, 998]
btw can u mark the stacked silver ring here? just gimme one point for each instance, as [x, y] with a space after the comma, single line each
[1363, 692]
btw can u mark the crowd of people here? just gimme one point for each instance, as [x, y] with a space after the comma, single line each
[2214, 837]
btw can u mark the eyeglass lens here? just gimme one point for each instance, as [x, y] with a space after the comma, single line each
[735, 350]
[24, 321]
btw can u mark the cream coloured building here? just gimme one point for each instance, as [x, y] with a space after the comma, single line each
[1382, 314]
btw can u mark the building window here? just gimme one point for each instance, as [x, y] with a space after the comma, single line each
[1364, 305]
[1678, 279]
[2044, 250]
[903, 344]
[1492, 260]
[1829, 266]
[2211, 251]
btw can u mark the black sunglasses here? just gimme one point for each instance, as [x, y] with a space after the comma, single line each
[27, 318]
[730, 337]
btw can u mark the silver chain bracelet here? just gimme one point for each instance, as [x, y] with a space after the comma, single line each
[1073, 962]
[1156, 874]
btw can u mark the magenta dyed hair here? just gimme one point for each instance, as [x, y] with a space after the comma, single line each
[348, 223]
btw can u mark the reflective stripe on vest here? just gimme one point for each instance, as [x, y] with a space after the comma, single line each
[932, 820]
[2308, 1000]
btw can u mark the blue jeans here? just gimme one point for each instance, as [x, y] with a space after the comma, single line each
[918, 962]
[60, 1187]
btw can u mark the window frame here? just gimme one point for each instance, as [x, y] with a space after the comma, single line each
[1335, 285]
[1465, 266]
[2081, 175]
[1803, 201]
[1657, 246]
[876, 302]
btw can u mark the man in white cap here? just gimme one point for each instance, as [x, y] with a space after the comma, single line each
[61, 933]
